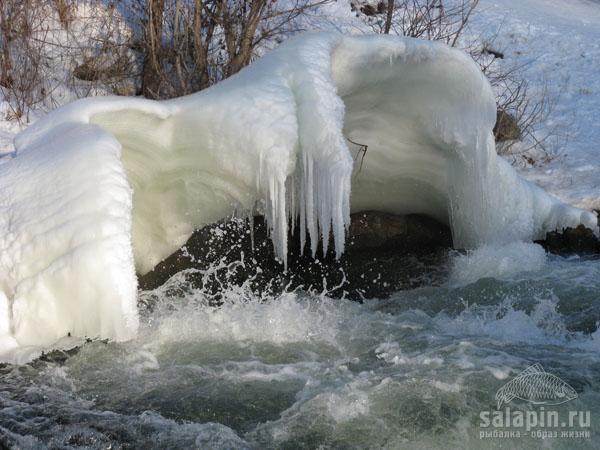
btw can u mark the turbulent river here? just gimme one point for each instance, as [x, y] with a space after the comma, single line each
[302, 370]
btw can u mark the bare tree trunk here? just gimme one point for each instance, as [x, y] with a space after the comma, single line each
[151, 77]
[63, 7]
[240, 42]
[190, 44]
[6, 65]
[388, 18]
[200, 48]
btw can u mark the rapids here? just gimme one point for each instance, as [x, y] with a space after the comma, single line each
[304, 370]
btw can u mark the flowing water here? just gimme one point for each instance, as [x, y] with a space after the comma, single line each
[302, 370]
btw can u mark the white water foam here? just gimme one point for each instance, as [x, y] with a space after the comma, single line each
[497, 261]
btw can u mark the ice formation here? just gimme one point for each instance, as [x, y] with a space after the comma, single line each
[107, 186]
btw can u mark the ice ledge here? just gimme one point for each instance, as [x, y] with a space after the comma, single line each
[278, 137]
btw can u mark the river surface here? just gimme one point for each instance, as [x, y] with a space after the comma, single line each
[302, 370]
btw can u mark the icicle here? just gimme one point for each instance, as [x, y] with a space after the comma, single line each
[251, 224]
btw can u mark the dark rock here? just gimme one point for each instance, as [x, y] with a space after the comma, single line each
[88, 71]
[507, 127]
[384, 253]
[370, 9]
[58, 356]
[580, 240]
[6, 81]
[491, 51]
[410, 233]
[112, 67]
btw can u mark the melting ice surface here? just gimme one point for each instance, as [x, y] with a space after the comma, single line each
[107, 186]
[302, 370]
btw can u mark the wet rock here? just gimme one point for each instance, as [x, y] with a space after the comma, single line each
[580, 240]
[384, 253]
[407, 233]
[58, 356]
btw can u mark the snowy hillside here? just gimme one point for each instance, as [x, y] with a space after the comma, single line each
[558, 44]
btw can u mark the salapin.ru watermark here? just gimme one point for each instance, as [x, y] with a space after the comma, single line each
[543, 391]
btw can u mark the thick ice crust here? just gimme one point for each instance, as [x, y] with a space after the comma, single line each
[283, 135]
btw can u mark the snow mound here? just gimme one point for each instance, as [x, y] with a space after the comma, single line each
[104, 187]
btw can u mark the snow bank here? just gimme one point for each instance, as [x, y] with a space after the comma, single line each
[277, 136]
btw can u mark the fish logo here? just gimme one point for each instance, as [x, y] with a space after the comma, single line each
[537, 386]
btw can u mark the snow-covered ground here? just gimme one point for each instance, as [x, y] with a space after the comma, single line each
[8, 129]
[558, 44]
[61, 51]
